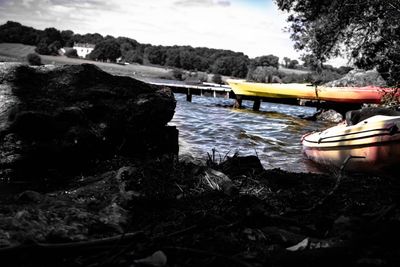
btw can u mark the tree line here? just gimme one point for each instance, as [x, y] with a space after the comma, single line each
[217, 61]
[366, 31]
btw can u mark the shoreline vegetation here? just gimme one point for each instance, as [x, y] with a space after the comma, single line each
[166, 211]
[205, 64]
[15, 52]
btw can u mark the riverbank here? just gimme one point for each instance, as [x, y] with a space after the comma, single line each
[165, 211]
[224, 213]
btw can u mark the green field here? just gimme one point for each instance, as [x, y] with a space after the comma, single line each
[18, 52]
[292, 71]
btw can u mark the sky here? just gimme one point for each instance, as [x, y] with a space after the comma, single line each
[254, 27]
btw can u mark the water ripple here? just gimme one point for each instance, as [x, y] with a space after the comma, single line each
[273, 133]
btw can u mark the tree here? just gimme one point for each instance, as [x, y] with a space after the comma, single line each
[155, 55]
[262, 74]
[42, 48]
[310, 61]
[367, 31]
[135, 56]
[267, 61]
[34, 59]
[190, 61]
[90, 38]
[67, 37]
[293, 64]
[344, 70]
[52, 35]
[71, 53]
[54, 47]
[14, 32]
[217, 78]
[287, 61]
[173, 58]
[231, 66]
[106, 50]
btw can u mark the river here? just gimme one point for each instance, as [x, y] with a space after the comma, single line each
[273, 133]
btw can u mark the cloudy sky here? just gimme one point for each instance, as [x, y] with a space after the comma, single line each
[254, 27]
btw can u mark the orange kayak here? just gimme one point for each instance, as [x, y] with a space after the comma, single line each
[371, 145]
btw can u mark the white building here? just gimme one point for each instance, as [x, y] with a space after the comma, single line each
[83, 49]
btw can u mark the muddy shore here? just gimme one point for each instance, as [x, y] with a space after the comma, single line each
[233, 213]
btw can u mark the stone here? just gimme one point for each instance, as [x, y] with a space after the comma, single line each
[355, 116]
[64, 118]
[329, 115]
[241, 165]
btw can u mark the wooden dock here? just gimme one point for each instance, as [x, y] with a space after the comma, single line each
[216, 90]
[201, 89]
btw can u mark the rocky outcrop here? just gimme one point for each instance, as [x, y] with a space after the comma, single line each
[355, 116]
[64, 118]
[359, 77]
[329, 115]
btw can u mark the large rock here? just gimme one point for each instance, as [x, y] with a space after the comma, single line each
[329, 115]
[66, 117]
[359, 77]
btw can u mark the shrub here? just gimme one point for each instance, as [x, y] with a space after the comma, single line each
[262, 74]
[202, 77]
[177, 74]
[276, 79]
[42, 48]
[72, 53]
[326, 76]
[34, 59]
[217, 78]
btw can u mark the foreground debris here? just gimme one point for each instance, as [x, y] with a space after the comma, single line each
[168, 213]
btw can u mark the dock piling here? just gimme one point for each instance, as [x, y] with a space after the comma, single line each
[188, 95]
[256, 104]
[238, 102]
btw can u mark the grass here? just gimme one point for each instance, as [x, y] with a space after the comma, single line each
[292, 71]
[16, 50]
[19, 52]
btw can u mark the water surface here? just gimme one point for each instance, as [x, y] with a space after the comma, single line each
[273, 133]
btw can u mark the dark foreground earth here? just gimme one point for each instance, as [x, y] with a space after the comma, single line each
[89, 177]
[165, 212]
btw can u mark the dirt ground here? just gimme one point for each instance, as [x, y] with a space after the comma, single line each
[174, 213]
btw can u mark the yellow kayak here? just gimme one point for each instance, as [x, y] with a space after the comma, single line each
[353, 95]
[272, 90]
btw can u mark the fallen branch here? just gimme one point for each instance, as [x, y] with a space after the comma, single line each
[72, 246]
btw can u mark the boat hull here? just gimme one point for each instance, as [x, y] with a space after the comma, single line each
[371, 145]
[350, 95]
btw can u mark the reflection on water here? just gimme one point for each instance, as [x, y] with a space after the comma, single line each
[273, 133]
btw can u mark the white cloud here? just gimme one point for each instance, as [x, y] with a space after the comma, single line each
[203, 3]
